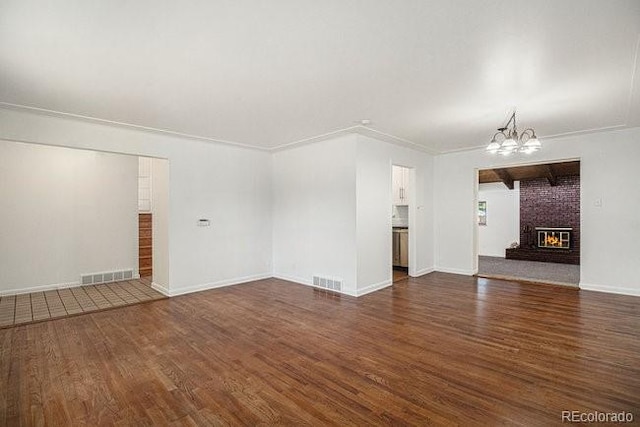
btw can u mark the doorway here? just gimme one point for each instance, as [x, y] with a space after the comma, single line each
[402, 193]
[528, 223]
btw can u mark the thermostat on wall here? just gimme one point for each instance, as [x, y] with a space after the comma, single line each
[203, 222]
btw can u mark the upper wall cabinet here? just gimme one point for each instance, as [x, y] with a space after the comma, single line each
[400, 177]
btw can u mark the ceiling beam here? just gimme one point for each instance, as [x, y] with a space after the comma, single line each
[505, 177]
[550, 175]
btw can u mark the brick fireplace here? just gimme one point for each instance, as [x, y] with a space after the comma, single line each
[549, 221]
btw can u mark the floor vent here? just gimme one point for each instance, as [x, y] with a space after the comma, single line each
[330, 283]
[106, 277]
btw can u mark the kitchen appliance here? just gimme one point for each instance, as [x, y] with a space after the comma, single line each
[400, 247]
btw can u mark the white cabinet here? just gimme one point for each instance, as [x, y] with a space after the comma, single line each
[400, 178]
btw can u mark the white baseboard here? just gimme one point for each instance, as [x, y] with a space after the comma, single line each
[357, 293]
[610, 289]
[455, 271]
[206, 286]
[424, 271]
[373, 288]
[294, 279]
[41, 288]
[164, 291]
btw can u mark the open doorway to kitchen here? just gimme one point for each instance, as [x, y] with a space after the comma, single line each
[528, 223]
[400, 220]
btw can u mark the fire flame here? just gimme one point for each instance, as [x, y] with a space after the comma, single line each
[553, 241]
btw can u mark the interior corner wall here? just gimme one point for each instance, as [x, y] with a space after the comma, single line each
[65, 213]
[374, 202]
[314, 212]
[503, 212]
[609, 205]
[229, 185]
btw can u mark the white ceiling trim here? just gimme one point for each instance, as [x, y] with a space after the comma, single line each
[392, 139]
[318, 138]
[61, 114]
[546, 137]
[359, 129]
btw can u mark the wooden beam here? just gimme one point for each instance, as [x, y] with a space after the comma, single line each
[487, 175]
[550, 175]
[505, 177]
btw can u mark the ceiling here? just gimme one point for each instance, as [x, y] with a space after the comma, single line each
[440, 74]
[548, 171]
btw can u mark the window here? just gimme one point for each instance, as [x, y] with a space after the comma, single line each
[482, 213]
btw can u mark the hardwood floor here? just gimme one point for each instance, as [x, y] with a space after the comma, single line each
[439, 349]
[400, 273]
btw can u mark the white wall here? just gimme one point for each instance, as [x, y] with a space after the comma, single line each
[314, 212]
[374, 211]
[503, 218]
[232, 187]
[229, 185]
[64, 213]
[609, 172]
[159, 186]
[332, 212]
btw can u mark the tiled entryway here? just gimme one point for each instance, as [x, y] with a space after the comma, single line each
[38, 306]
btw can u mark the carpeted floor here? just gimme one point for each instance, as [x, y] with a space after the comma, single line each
[547, 272]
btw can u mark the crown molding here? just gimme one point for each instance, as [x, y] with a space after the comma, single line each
[359, 129]
[545, 137]
[392, 139]
[311, 140]
[122, 125]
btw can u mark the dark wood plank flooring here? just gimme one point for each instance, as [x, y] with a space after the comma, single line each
[439, 349]
[400, 273]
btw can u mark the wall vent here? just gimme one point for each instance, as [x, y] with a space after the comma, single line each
[330, 283]
[106, 277]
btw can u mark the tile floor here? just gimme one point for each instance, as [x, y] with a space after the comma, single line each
[38, 306]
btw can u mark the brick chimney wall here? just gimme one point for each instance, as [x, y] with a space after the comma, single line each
[542, 205]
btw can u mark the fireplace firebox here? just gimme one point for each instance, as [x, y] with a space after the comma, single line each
[554, 238]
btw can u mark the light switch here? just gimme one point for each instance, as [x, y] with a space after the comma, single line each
[597, 203]
[203, 222]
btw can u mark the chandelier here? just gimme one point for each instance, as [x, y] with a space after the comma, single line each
[507, 140]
